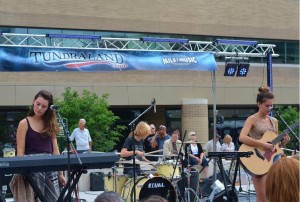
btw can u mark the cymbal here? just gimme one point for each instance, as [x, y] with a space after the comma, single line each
[188, 142]
[137, 162]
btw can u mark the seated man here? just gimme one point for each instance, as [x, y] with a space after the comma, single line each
[172, 146]
[208, 147]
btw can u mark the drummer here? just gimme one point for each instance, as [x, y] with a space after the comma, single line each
[135, 141]
[172, 146]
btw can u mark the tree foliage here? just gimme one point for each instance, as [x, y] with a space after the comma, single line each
[100, 120]
[290, 115]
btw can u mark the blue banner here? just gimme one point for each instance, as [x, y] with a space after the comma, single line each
[93, 60]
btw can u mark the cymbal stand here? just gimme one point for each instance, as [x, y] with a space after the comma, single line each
[114, 169]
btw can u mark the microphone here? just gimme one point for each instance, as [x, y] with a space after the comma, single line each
[154, 104]
[54, 107]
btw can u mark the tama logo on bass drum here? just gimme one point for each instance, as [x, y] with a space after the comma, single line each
[156, 185]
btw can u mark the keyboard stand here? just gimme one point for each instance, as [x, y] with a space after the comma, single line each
[63, 197]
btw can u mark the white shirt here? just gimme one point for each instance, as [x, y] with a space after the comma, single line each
[209, 146]
[226, 147]
[82, 138]
[194, 149]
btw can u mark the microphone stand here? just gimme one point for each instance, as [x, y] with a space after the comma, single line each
[69, 144]
[294, 134]
[132, 126]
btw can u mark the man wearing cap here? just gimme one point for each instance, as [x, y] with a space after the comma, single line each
[160, 137]
[209, 146]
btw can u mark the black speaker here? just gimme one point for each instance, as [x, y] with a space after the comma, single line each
[221, 197]
[227, 179]
[205, 186]
[4, 184]
[97, 181]
[183, 183]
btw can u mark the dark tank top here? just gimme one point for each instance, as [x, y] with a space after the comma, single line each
[36, 143]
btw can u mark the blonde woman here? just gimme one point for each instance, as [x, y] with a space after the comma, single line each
[227, 145]
[136, 141]
[195, 153]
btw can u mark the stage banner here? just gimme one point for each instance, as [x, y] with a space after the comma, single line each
[93, 60]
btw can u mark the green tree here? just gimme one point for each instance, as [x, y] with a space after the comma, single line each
[101, 122]
[290, 115]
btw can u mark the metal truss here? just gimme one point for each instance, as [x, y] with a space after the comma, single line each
[229, 50]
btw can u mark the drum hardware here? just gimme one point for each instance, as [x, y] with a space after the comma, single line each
[189, 142]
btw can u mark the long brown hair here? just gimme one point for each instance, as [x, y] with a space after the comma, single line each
[49, 117]
[282, 182]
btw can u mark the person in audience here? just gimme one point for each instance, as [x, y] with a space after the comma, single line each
[172, 146]
[82, 137]
[282, 182]
[195, 154]
[160, 137]
[108, 197]
[154, 198]
[227, 145]
[135, 143]
[209, 146]
[148, 147]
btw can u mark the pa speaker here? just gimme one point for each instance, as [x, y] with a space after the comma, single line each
[97, 181]
[221, 197]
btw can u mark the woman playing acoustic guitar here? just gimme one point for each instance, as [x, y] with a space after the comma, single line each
[254, 129]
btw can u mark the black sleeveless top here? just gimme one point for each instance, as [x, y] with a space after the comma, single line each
[36, 143]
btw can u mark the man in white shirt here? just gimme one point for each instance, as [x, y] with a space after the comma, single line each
[82, 137]
[209, 146]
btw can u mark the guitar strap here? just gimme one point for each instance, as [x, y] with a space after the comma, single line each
[271, 119]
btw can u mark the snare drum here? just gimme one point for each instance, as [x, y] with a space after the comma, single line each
[110, 184]
[166, 169]
[145, 187]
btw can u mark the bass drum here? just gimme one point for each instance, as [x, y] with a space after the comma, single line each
[145, 187]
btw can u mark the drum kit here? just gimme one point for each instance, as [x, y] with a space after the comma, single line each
[161, 180]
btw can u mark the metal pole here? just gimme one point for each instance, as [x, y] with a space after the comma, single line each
[215, 122]
[269, 71]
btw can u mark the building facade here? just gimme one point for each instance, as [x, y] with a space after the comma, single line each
[184, 98]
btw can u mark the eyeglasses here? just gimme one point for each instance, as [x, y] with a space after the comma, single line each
[152, 128]
[193, 134]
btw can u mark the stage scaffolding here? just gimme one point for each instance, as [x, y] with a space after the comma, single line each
[238, 50]
[229, 50]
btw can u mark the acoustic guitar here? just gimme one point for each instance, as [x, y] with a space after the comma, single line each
[261, 160]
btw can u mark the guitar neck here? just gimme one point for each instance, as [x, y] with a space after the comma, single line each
[281, 136]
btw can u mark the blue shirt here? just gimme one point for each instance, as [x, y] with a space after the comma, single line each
[160, 142]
